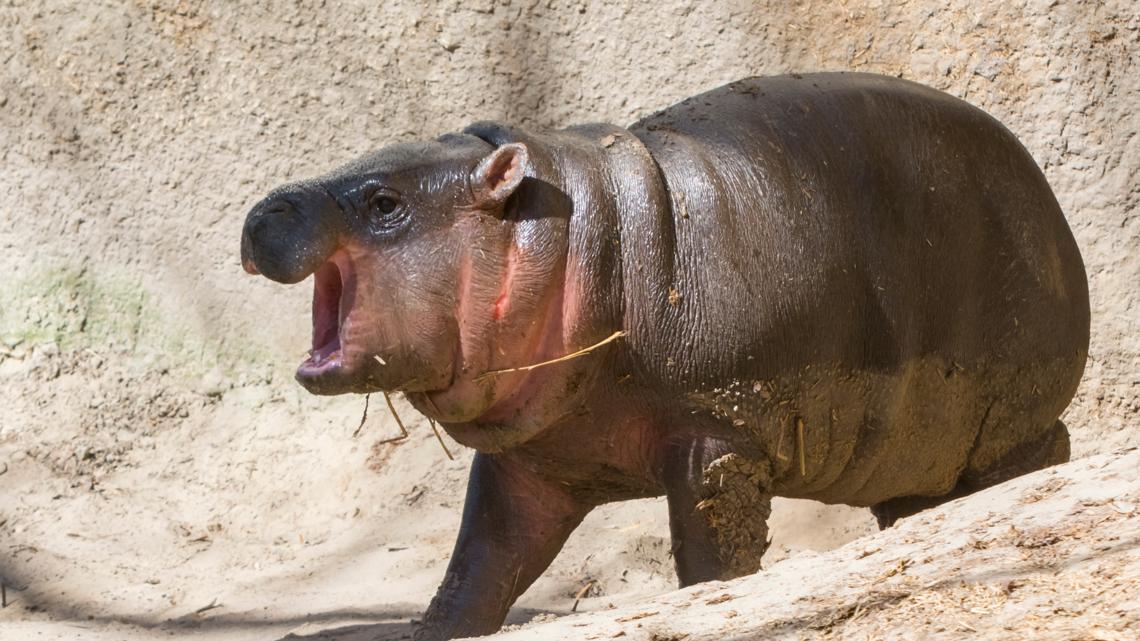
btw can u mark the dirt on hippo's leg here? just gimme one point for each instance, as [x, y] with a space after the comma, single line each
[736, 506]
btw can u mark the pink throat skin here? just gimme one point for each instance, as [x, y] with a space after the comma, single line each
[334, 283]
[502, 303]
[498, 330]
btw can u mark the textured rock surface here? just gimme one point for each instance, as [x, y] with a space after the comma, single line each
[135, 135]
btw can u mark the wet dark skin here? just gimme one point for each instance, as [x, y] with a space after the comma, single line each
[841, 287]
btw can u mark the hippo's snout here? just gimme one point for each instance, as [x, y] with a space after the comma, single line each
[289, 234]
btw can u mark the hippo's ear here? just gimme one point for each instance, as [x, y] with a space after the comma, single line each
[498, 175]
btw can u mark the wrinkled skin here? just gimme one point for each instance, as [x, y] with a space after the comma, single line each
[840, 287]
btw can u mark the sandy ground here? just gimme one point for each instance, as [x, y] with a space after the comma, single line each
[134, 508]
[250, 513]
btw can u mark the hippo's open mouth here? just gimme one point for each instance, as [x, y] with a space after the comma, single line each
[332, 284]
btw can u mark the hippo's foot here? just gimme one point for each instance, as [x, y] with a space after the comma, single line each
[891, 510]
[718, 511]
[1051, 448]
[514, 523]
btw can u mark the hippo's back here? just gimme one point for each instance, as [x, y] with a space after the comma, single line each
[882, 264]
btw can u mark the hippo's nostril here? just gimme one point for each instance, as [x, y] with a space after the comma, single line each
[279, 209]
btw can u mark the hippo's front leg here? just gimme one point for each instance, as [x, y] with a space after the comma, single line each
[718, 510]
[514, 523]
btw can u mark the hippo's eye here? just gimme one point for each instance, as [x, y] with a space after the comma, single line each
[384, 204]
[386, 212]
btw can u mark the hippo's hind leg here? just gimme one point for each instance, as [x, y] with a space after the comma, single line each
[1050, 448]
[718, 511]
[891, 510]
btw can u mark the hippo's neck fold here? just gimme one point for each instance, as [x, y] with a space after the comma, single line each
[560, 288]
[587, 172]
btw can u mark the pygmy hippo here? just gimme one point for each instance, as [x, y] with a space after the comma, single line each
[841, 287]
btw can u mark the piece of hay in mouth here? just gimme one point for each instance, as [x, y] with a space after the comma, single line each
[561, 359]
[525, 368]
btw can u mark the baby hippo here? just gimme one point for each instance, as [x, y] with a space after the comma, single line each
[841, 287]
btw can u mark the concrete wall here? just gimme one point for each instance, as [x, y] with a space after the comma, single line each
[134, 136]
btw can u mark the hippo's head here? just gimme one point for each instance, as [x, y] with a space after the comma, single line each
[433, 263]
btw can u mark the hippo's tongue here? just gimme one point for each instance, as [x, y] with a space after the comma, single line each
[327, 287]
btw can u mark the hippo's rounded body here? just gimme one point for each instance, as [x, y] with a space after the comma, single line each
[875, 264]
[841, 287]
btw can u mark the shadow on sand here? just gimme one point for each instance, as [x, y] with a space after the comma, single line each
[394, 631]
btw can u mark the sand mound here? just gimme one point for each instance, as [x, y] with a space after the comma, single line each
[1051, 555]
